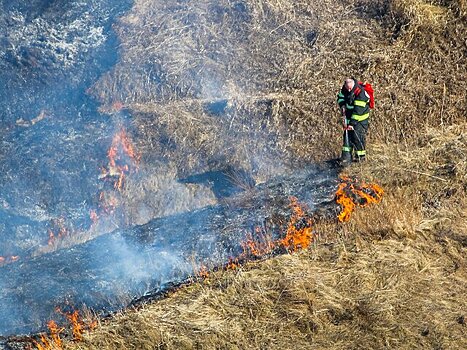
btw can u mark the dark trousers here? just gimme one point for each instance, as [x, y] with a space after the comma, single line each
[355, 141]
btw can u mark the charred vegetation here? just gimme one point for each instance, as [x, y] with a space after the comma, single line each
[230, 98]
[370, 283]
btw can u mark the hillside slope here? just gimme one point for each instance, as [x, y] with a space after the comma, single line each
[252, 84]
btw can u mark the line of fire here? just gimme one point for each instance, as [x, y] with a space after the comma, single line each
[140, 263]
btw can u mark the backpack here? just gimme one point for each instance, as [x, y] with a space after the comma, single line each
[369, 90]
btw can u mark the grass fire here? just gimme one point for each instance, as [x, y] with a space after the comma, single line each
[247, 174]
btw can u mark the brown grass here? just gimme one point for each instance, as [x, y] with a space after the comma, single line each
[279, 66]
[393, 277]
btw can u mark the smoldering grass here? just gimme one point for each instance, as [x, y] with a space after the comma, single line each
[367, 284]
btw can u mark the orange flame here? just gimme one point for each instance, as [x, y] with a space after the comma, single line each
[351, 194]
[260, 243]
[8, 259]
[58, 231]
[121, 146]
[44, 343]
[258, 246]
[233, 264]
[55, 333]
[54, 342]
[120, 139]
[77, 324]
[203, 272]
[299, 232]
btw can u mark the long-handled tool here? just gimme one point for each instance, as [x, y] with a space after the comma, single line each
[346, 149]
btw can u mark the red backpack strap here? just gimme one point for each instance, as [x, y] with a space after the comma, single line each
[357, 91]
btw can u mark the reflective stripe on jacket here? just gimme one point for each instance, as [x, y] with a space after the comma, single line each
[356, 102]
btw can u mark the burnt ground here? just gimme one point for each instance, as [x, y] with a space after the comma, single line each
[107, 273]
[203, 86]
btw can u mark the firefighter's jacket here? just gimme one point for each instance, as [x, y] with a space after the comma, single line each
[356, 102]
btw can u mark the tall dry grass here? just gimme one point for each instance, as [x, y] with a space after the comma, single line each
[395, 276]
[278, 65]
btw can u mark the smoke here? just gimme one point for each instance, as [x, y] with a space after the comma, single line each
[57, 176]
[53, 138]
[130, 270]
[110, 271]
[155, 192]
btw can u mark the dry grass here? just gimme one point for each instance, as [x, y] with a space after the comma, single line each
[179, 57]
[395, 275]
[342, 295]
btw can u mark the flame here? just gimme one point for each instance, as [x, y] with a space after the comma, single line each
[259, 243]
[299, 232]
[351, 194]
[55, 333]
[120, 152]
[77, 325]
[58, 231]
[203, 272]
[233, 264]
[257, 246]
[120, 149]
[52, 342]
[44, 343]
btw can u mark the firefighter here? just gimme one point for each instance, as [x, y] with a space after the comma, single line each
[353, 103]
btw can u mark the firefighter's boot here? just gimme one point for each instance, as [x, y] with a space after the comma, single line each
[346, 157]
